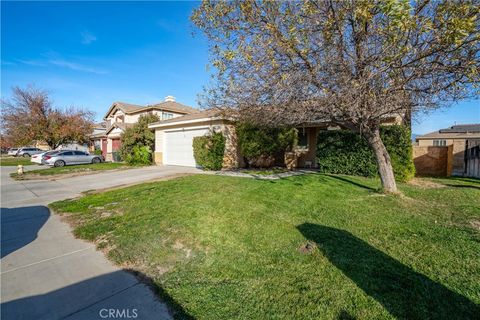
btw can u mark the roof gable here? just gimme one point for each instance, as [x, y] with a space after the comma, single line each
[125, 107]
[169, 106]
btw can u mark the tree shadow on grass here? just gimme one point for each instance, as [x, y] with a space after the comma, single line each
[465, 179]
[405, 293]
[462, 186]
[345, 179]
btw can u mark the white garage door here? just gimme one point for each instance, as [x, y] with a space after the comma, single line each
[178, 146]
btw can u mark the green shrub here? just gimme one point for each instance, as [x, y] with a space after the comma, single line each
[136, 137]
[97, 152]
[346, 152]
[208, 151]
[257, 141]
[139, 155]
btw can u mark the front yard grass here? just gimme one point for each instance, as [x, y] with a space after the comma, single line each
[68, 170]
[306, 247]
[13, 161]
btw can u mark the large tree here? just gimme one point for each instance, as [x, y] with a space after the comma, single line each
[353, 63]
[30, 116]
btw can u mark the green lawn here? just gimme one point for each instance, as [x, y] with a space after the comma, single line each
[81, 168]
[12, 161]
[305, 247]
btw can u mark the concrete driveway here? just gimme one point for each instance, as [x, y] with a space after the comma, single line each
[48, 274]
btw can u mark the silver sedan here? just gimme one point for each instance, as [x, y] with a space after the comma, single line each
[69, 157]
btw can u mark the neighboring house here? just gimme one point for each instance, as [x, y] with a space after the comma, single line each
[123, 115]
[450, 151]
[98, 131]
[174, 137]
[448, 136]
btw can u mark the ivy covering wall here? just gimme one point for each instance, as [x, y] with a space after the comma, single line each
[346, 152]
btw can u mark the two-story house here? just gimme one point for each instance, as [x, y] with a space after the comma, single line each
[122, 115]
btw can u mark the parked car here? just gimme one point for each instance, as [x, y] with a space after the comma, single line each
[12, 151]
[39, 158]
[28, 152]
[69, 157]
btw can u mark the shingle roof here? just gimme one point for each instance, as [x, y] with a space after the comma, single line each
[462, 128]
[172, 106]
[100, 125]
[466, 131]
[192, 116]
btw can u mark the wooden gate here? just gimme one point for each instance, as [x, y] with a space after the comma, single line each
[472, 158]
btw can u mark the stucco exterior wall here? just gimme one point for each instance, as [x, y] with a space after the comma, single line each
[109, 145]
[158, 153]
[429, 142]
[232, 158]
[132, 118]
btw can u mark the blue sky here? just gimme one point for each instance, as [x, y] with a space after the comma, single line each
[89, 54]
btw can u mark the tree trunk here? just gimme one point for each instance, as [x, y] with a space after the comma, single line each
[383, 160]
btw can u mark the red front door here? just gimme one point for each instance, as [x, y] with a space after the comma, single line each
[115, 145]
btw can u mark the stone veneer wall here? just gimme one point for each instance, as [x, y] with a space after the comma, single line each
[232, 159]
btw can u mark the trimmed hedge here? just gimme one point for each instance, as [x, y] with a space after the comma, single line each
[346, 152]
[208, 151]
[255, 141]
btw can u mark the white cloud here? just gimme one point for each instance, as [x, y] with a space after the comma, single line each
[8, 63]
[88, 37]
[35, 63]
[76, 66]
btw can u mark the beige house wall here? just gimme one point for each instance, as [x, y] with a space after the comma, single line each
[429, 142]
[232, 158]
[158, 153]
[132, 118]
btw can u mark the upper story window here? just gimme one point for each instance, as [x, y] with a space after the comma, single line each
[439, 143]
[167, 115]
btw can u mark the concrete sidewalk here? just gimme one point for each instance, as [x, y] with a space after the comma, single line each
[48, 274]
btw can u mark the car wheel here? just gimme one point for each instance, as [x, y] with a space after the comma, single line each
[96, 160]
[59, 163]
[26, 155]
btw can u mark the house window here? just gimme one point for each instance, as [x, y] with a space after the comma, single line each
[302, 138]
[167, 115]
[439, 143]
